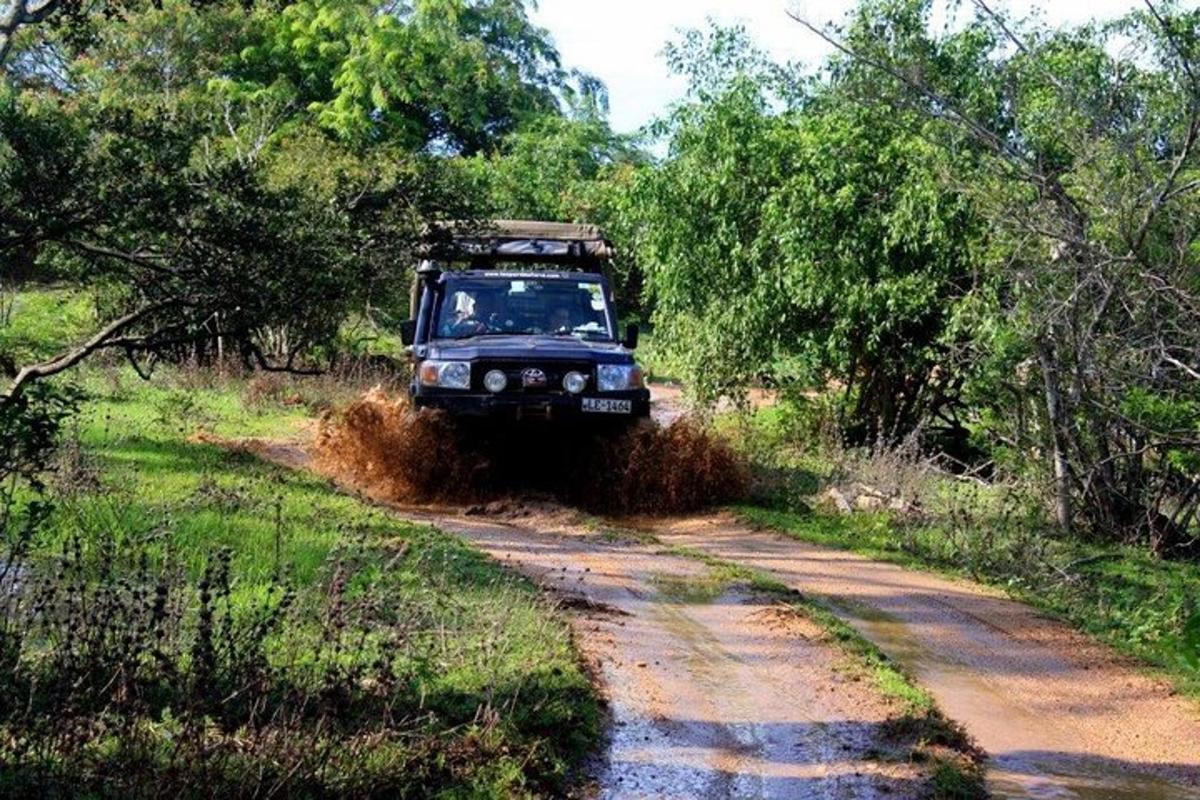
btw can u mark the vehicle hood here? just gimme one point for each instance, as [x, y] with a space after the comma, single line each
[564, 348]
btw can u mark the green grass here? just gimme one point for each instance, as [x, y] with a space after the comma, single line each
[43, 321]
[475, 638]
[171, 407]
[700, 588]
[1144, 606]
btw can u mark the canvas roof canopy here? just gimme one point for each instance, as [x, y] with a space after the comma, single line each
[517, 240]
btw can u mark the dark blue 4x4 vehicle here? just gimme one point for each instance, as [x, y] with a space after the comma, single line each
[516, 320]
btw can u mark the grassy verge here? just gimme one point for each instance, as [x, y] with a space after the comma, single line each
[1143, 606]
[200, 623]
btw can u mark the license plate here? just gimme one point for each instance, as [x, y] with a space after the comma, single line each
[604, 405]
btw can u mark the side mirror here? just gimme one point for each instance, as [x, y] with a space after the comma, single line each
[631, 336]
[408, 332]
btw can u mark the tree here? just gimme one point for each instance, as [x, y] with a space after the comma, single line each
[570, 168]
[18, 13]
[218, 166]
[1086, 156]
[804, 246]
[451, 75]
[204, 220]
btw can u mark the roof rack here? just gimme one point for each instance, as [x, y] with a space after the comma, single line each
[517, 241]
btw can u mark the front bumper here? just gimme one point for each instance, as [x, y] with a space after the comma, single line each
[530, 406]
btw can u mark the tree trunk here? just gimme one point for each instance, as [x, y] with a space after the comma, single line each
[1058, 423]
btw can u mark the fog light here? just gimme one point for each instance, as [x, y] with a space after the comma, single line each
[495, 381]
[574, 382]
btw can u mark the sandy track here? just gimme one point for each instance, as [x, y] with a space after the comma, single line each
[667, 401]
[724, 699]
[1060, 715]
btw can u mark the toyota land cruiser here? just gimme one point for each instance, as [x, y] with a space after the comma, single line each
[516, 320]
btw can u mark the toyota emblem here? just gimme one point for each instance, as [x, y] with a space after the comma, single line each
[533, 378]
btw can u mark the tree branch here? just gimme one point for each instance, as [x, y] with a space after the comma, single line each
[1168, 188]
[21, 12]
[138, 259]
[103, 338]
[1019, 43]
[981, 131]
[265, 365]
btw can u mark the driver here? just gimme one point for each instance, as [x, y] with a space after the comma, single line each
[485, 316]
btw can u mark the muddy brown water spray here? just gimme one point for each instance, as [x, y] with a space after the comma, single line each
[407, 455]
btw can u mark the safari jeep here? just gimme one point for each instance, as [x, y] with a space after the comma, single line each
[515, 320]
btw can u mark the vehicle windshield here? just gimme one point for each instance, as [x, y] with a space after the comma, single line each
[516, 306]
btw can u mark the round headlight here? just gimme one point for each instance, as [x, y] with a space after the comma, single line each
[495, 381]
[574, 382]
[455, 375]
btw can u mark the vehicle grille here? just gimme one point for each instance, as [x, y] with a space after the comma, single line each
[555, 371]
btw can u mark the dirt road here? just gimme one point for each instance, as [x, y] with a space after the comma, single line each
[667, 401]
[1060, 715]
[713, 691]
[733, 697]
[725, 696]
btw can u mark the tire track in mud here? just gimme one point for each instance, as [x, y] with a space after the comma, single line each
[1060, 715]
[707, 701]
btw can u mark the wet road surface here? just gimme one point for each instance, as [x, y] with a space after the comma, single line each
[1060, 715]
[733, 697]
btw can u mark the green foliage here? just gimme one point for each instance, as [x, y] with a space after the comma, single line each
[29, 430]
[571, 169]
[454, 74]
[255, 174]
[1187, 644]
[977, 238]
[549, 169]
[1082, 334]
[1174, 415]
[354, 652]
[803, 247]
[36, 323]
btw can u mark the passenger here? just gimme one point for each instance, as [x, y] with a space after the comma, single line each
[560, 320]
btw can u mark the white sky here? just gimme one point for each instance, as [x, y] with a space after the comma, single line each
[620, 41]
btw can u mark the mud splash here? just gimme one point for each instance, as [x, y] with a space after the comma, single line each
[409, 456]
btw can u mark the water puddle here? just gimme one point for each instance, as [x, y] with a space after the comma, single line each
[681, 754]
[1069, 779]
[1024, 770]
